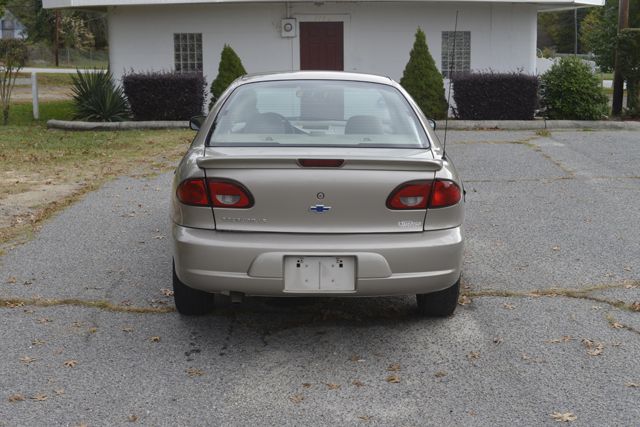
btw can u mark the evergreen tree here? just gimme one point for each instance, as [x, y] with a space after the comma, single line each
[230, 68]
[423, 81]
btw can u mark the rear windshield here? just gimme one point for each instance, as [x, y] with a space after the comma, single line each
[317, 113]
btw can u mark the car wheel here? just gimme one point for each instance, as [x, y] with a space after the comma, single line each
[190, 301]
[439, 304]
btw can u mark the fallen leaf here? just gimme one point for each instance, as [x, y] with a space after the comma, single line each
[12, 279]
[473, 355]
[464, 300]
[39, 397]
[632, 385]
[555, 248]
[365, 417]
[127, 329]
[43, 320]
[333, 386]
[132, 418]
[194, 372]
[440, 374]
[393, 379]
[627, 268]
[166, 292]
[26, 360]
[59, 391]
[306, 385]
[616, 325]
[37, 342]
[497, 340]
[635, 306]
[93, 330]
[394, 367]
[564, 416]
[356, 358]
[357, 383]
[70, 363]
[296, 398]
[155, 339]
[17, 397]
[508, 306]
[593, 348]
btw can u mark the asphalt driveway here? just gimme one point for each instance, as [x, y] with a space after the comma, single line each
[547, 329]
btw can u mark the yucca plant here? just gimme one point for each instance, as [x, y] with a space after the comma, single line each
[97, 99]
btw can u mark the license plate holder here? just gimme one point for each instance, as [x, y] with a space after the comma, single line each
[319, 274]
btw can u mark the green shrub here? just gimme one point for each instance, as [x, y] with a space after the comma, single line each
[423, 81]
[230, 68]
[97, 99]
[570, 91]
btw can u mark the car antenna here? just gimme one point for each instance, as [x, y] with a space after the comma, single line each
[449, 62]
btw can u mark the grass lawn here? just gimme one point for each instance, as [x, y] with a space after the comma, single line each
[21, 113]
[42, 170]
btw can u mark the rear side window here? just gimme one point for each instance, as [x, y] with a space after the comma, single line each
[317, 113]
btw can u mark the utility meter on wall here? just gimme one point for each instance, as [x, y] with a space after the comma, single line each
[288, 27]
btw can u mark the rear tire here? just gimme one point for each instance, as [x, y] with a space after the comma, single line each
[189, 301]
[439, 304]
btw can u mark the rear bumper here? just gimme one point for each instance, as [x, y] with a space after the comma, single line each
[252, 263]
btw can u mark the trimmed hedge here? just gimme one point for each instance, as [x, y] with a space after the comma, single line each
[495, 96]
[164, 95]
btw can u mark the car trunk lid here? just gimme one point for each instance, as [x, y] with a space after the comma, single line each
[348, 197]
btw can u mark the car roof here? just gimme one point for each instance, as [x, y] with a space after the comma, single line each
[316, 75]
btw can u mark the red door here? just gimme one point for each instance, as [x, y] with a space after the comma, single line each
[321, 46]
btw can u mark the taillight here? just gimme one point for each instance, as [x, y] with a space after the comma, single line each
[412, 195]
[423, 194]
[229, 194]
[444, 193]
[222, 193]
[193, 192]
[321, 163]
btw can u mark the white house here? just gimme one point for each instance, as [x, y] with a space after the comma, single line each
[10, 27]
[364, 36]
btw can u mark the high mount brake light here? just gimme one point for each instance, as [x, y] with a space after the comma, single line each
[321, 163]
[221, 193]
[424, 194]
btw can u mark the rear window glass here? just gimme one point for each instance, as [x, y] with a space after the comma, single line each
[317, 113]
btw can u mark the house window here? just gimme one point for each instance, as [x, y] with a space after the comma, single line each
[187, 49]
[460, 60]
[7, 29]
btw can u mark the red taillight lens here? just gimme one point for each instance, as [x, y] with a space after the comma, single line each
[227, 194]
[412, 195]
[423, 194]
[193, 192]
[321, 163]
[445, 193]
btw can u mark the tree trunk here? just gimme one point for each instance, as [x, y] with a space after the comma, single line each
[5, 115]
[633, 97]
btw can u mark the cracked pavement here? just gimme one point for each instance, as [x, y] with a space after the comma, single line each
[548, 324]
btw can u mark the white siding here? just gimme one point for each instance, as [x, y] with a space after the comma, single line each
[377, 36]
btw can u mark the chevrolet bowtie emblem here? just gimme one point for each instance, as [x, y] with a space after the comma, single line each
[320, 208]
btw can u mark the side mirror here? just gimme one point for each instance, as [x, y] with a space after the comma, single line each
[196, 122]
[432, 123]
